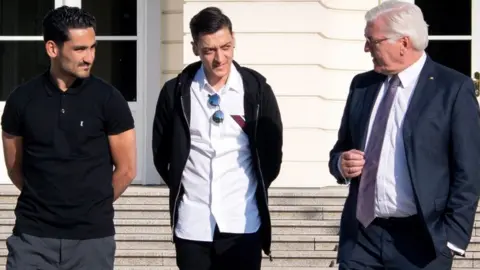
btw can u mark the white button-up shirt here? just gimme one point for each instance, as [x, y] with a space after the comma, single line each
[218, 179]
[394, 192]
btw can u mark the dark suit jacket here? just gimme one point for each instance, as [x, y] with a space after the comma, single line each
[441, 134]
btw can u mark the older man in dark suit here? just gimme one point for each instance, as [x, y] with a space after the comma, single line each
[409, 147]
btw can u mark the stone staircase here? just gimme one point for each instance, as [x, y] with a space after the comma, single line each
[305, 229]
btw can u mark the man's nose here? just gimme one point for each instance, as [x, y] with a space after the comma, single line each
[219, 57]
[366, 47]
[89, 57]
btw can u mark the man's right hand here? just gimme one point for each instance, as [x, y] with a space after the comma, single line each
[351, 163]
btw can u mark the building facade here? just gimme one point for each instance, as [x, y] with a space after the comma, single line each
[308, 50]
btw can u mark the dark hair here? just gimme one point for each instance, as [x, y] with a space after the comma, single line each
[59, 21]
[208, 21]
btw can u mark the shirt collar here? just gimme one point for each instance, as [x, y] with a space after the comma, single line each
[410, 74]
[234, 81]
[51, 87]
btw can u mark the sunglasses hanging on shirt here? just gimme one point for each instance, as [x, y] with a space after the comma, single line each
[218, 116]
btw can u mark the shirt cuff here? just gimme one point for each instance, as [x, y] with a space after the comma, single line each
[339, 167]
[455, 249]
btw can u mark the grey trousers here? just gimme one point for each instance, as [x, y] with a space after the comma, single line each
[26, 252]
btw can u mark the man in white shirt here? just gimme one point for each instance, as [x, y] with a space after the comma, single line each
[409, 147]
[217, 143]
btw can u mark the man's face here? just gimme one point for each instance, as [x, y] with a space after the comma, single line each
[77, 55]
[216, 52]
[385, 54]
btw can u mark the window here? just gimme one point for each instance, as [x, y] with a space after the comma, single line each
[459, 16]
[22, 54]
[20, 62]
[116, 58]
[116, 63]
[449, 35]
[122, 28]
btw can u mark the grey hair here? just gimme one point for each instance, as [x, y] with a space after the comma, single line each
[402, 19]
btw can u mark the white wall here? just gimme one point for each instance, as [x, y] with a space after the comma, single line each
[308, 50]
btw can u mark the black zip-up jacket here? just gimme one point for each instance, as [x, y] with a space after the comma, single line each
[263, 125]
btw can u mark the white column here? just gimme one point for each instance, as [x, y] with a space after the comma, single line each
[153, 82]
[475, 36]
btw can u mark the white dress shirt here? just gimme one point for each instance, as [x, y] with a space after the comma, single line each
[218, 179]
[394, 192]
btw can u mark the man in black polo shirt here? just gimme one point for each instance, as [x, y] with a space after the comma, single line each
[69, 146]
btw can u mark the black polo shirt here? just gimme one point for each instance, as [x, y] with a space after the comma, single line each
[67, 164]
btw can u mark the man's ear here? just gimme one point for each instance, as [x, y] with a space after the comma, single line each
[194, 48]
[406, 44]
[52, 49]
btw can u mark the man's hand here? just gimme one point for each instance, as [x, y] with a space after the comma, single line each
[351, 163]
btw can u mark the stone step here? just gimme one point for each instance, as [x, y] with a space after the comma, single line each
[162, 191]
[263, 268]
[317, 228]
[273, 201]
[152, 211]
[279, 242]
[158, 195]
[281, 259]
[163, 242]
[154, 258]
[162, 226]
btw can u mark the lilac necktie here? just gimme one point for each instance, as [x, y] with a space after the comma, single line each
[366, 191]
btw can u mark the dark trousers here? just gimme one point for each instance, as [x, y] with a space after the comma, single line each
[26, 252]
[227, 252]
[396, 244]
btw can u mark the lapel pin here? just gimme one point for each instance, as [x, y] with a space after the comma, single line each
[431, 78]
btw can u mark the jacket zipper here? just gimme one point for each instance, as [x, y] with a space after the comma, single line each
[180, 185]
[261, 174]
